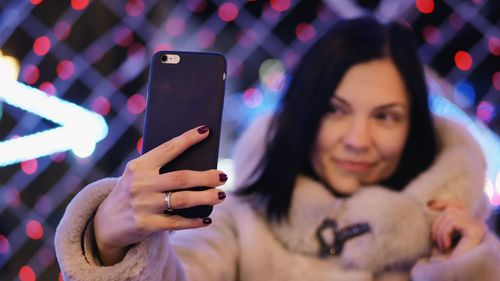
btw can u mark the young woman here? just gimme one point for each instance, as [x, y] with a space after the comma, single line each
[351, 179]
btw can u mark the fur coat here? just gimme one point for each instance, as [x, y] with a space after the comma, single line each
[241, 245]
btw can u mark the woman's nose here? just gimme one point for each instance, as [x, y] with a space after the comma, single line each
[357, 136]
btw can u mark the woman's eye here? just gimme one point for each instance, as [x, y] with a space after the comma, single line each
[335, 110]
[388, 117]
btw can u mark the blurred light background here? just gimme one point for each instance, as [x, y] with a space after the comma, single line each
[73, 80]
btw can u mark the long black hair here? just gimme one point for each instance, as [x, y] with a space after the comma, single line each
[314, 80]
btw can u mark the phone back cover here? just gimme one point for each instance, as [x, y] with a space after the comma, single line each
[183, 96]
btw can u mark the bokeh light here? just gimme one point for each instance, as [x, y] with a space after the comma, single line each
[252, 98]
[41, 46]
[494, 45]
[134, 8]
[228, 11]
[464, 94]
[431, 34]
[485, 111]
[26, 273]
[305, 32]
[65, 69]
[123, 37]
[101, 105]
[29, 167]
[4, 244]
[136, 104]
[62, 30]
[272, 74]
[31, 74]
[175, 26]
[34, 230]
[205, 38]
[463, 60]
[48, 88]
[496, 80]
[79, 4]
[425, 6]
[139, 146]
[280, 5]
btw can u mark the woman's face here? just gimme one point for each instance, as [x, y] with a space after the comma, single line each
[362, 136]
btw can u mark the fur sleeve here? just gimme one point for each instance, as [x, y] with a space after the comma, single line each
[480, 263]
[152, 259]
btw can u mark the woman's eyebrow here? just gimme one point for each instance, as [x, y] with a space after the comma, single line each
[395, 104]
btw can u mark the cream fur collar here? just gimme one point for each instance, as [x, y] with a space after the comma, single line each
[400, 221]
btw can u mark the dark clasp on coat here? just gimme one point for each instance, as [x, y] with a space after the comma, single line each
[332, 240]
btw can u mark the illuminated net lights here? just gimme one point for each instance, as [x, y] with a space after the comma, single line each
[48, 88]
[456, 21]
[44, 205]
[134, 8]
[123, 37]
[26, 273]
[272, 74]
[79, 4]
[41, 46]
[228, 12]
[485, 111]
[30, 74]
[205, 38]
[305, 32]
[463, 60]
[4, 244]
[62, 30]
[34, 230]
[431, 34]
[175, 26]
[246, 38]
[236, 66]
[253, 98]
[162, 47]
[46, 256]
[101, 105]
[196, 6]
[425, 6]
[269, 14]
[29, 167]
[65, 69]
[136, 104]
[280, 5]
[494, 45]
[12, 197]
[464, 94]
[496, 80]
[58, 157]
[138, 146]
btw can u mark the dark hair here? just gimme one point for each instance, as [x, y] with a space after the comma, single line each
[296, 123]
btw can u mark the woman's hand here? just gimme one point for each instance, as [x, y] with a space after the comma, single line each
[455, 219]
[134, 208]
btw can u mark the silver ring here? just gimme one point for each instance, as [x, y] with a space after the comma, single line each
[167, 201]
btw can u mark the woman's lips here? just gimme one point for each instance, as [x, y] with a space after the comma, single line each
[354, 166]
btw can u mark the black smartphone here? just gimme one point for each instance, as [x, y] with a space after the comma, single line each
[186, 90]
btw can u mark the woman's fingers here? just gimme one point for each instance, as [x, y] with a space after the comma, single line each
[187, 199]
[169, 150]
[162, 222]
[186, 179]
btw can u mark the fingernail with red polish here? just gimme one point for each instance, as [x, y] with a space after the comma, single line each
[203, 129]
[222, 177]
[221, 195]
[207, 220]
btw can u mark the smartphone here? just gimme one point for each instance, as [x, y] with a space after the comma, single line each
[186, 90]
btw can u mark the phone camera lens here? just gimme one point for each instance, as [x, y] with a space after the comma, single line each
[163, 58]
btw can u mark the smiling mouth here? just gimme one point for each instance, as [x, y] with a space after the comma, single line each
[354, 166]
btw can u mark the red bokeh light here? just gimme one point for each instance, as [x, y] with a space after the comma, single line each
[228, 12]
[31, 73]
[134, 7]
[305, 32]
[79, 4]
[494, 45]
[4, 244]
[101, 105]
[35, 2]
[136, 104]
[496, 80]
[60, 276]
[34, 230]
[463, 60]
[29, 167]
[139, 146]
[65, 69]
[252, 98]
[280, 5]
[26, 273]
[41, 46]
[425, 6]
[62, 30]
[48, 88]
[162, 47]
